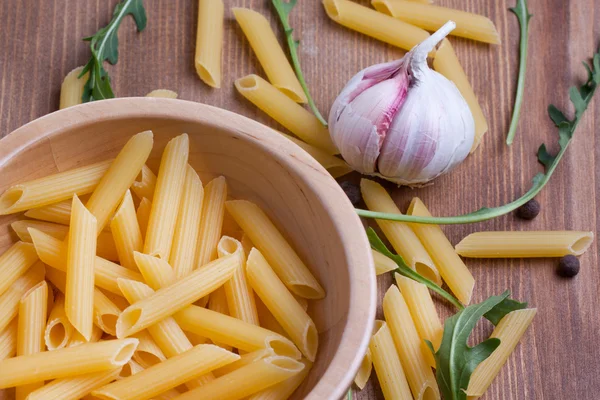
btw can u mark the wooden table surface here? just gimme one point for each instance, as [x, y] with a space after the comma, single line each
[40, 42]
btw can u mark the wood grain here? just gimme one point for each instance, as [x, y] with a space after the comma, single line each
[41, 43]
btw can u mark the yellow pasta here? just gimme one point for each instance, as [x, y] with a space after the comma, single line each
[167, 196]
[9, 300]
[451, 267]
[209, 41]
[126, 232]
[147, 353]
[58, 330]
[401, 236]
[447, 64]
[187, 229]
[81, 254]
[156, 272]
[58, 213]
[166, 93]
[211, 220]
[285, 111]
[285, 389]
[8, 340]
[524, 244]
[509, 330]
[74, 388]
[408, 344]
[245, 359]
[423, 313]
[218, 303]
[145, 184]
[129, 369]
[247, 380]
[67, 362]
[280, 255]
[77, 339]
[30, 338]
[383, 264]
[387, 365]
[282, 304]
[364, 371]
[15, 262]
[143, 215]
[267, 320]
[269, 53]
[71, 90]
[52, 189]
[431, 18]
[169, 374]
[246, 244]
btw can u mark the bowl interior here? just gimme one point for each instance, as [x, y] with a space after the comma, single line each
[258, 165]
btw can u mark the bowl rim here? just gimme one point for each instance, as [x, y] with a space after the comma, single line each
[339, 375]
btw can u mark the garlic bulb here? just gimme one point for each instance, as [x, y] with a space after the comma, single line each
[403, 121]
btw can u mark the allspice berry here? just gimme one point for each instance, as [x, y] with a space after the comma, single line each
[529, 210]
[568, 266]
[352, 190]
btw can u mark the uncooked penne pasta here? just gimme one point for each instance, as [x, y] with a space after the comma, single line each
[431, 18]
[390, 374]
[408, 344]
[245, 359]
[58, 213]
[31, 323]
[524, 244]
[143, 215]
[218, 303]
[76, 387]
[9, 300]
[156, 272]
[129, 369]
[8, 340]
[509, 330]
[269, 53]
[145, 184]
[278, 252]
[286, 111]
[77, 339]
[267, 320]
[282, 304]
[168, 374]
[211, 220]
[285, 389]
[209, 41]
[401, 236]
[58, 330]
[81, 254]
[383, 264]
[67, 362]
[364, 371]
[166, 93]
[451, 267]
[247, 380]
[52, 189]
[126, 232]
[147, 353]
[15, 262]
[167, 196]
[187, 229]
[71, 90]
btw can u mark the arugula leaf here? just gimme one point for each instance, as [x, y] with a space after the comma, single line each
[284, 8]
[104, 45]
[520, 10]
[404, 270]
[501, 309]
[581, 98]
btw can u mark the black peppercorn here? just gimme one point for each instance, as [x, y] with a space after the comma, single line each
[568, 266]
[529, 210]
[352, 190]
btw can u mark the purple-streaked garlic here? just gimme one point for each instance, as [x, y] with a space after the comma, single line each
[403, 121]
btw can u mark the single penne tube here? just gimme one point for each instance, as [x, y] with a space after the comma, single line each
[209, 41]
[286, 111]
[71, 90]
[14, 262]
[166, 93]
[245, 359]
[431, 18]
[126, 232]
[58, 213]
[365, 369]
[447, 64]
[145, 184]
[9, 300]
[423, 313]
[156, 272]
[52, 189]
[58, 330]
[267, 320]
[187, 228]
[402, 238]
[170, 299]
[284, 389]
[53, 252]
[105, 247]
[168, 374]
[509, 330]
[143, 215]
[76, 387]
[383, 264]
[81, 254]
[167, 196]
[282, 304]
[453, 270]
[8, 340]
[67, 362]
[263, 41]
[524, 244]
[390, 374]
[211, 221]
[129, 369]
[78, 339]
[278, 252]
[147, 353]
[218, 303]
[31, 324]
[408, 344]
[247, 380]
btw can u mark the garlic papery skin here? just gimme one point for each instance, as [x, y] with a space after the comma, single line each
[403, 121]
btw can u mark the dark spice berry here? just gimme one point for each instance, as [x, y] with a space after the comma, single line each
[529, 210]
[568, 266]
[352, 190]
